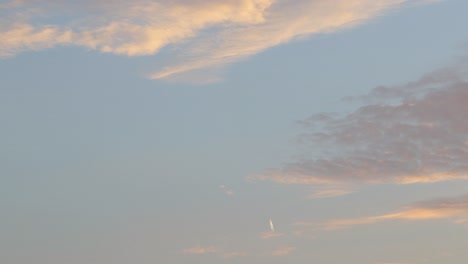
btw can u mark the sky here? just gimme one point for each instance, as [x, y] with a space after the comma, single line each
[174, 131]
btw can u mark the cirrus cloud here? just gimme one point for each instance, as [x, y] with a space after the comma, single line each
[205, 35]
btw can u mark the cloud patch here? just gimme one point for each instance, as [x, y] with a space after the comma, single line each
[203, 35]
[414, 133]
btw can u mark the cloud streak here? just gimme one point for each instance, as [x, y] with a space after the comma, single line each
[454, 208]
[330, 192]
[270, 234]
[198, 250]
[283, 251]
[204, 34]
[234, 254]
[414, 133]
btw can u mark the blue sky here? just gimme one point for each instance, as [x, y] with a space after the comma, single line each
[172, 131]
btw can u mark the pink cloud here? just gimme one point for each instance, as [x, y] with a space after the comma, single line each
[414, 133]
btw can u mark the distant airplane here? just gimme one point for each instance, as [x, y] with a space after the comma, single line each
[271, 226]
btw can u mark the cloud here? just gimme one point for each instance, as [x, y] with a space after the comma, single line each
[139, 28]
[414, 133]
[234, 254]
[198, 250]
[392, 263]
[283, 251]
[227, 191]
[326, 193]
[454, 208]
[26, 37]
[270, 234]
[330, 191]
[205, 35]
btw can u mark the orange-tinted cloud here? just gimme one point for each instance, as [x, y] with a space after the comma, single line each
[234, 254]
[415, 133]
[455, 209]
[283, 251]
[134, 28]
[270, 234]
[207, 34]
[198, 250]
[329, 192]
[219, 252]
[21, 36]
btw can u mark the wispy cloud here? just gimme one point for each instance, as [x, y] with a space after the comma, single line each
[134, 28]
[218, 252]
[227, 191]
[414, 133]
[283, 251]
[270, 234]
[330, 191]
[454, 208]
[22, 36]
[198, 250]
[234, 254]
[392, 263]
[206, 34]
